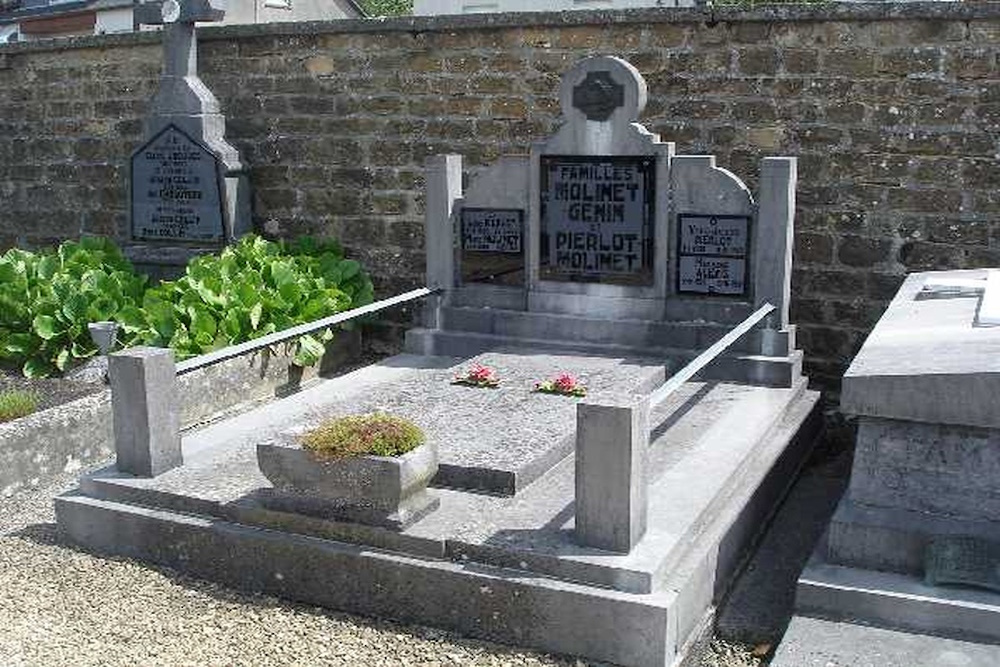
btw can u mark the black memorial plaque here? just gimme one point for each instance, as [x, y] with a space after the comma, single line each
[963, 560]
[597, 219]
[176, 190]
[712, 254]
[492, 246]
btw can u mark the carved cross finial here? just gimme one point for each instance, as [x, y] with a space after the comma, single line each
[598, 95]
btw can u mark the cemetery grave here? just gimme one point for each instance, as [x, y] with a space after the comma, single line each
[915, 541]
[606, 525]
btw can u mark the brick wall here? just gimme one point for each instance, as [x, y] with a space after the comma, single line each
[893, 111]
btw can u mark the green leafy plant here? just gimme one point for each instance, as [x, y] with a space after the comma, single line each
[48, 298]
[251, 289]
[379, 434]
[15, 403]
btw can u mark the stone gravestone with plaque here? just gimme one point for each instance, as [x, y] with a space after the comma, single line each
[189, 191]
[606, 525]
[602, 223]
[922, 512]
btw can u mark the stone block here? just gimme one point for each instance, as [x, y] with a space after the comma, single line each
[612, 442]
[144, 408]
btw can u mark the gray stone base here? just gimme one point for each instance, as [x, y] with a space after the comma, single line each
[896, 601]
[415, 508]
[505, 568]
[813, 642]
[895, 540]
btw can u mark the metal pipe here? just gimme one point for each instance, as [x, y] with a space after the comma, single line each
[709, 355]
[239, 349]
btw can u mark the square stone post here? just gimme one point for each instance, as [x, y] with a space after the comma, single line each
[443, 175]
[144, 407]
[774, 235]
[612, 445]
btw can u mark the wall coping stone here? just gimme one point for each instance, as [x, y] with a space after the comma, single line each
[710, 16]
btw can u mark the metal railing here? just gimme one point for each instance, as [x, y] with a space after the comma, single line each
[709, 355]
[285, 335]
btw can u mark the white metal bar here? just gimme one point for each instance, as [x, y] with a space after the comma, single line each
[709, 355]
[239, 349]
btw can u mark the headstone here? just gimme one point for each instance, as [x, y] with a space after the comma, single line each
[189, 190]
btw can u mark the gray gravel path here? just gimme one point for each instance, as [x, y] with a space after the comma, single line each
[60, 606]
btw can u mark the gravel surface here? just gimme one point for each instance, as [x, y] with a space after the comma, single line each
[61, 606]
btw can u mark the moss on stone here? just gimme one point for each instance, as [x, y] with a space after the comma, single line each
[377, 434]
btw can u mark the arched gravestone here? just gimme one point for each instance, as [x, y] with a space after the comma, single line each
[603, 221]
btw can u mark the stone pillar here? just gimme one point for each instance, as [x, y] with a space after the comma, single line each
[612, 444]
[772, 272]
[443, 174]
[144, 406]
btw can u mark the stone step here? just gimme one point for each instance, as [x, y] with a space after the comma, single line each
[897, 601]
[639, 334]
[762, 370]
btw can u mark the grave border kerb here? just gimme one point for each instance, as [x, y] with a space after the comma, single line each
[708, 16]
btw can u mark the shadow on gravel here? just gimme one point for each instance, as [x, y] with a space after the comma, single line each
[40, 533]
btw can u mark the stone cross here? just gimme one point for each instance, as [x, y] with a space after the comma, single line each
[181, 91]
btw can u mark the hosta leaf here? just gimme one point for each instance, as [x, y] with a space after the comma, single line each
[37, 368]
[62, 359]
[75, 308]
[255, 313]
[45, 326]
[348, 269]
[203, 325]
[309, 351]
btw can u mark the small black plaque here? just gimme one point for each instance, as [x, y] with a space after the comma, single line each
[176, 190]
[965, 560]
[492, 245]
[712, 254]
[597, 219]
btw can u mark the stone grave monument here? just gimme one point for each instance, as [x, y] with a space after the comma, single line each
[189, 190]
[601, 223]
[605, 525]
[915, 541]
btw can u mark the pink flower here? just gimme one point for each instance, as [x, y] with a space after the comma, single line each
[565, 382]
[480, 373]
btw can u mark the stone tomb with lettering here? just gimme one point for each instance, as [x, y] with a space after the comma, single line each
[603, 240]
[607, 526]
[189, 191]
[923, 507]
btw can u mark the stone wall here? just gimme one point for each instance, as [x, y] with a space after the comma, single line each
[893, 111]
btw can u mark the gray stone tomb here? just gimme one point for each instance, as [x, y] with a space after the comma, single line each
[923, 507]
[189, 189]
[606, 526]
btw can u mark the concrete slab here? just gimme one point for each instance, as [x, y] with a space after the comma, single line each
[896, 600]
[811, 642]
[925, 361]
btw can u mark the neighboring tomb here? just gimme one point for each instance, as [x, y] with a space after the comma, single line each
[923, 506]
[189, 190]
[606, 525]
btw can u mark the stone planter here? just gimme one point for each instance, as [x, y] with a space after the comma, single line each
[377, 490]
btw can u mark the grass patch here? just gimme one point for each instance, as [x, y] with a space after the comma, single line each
[357, 435]
[16, 403]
